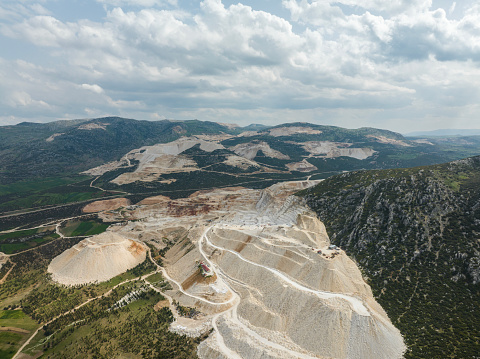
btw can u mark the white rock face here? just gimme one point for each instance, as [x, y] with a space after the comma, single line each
[330, 149]
[249, 150]
[302, 166]
[97, 259]
[157, 160]
[278, 289]
[286, 131]
[292, 305]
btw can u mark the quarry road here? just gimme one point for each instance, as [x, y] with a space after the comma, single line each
[6, 275]
[48, 224]
[180, 288]
[355, 303]
[105, 190]
[266, 343]
[170, 279]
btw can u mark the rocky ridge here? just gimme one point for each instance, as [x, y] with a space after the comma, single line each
[414, 233]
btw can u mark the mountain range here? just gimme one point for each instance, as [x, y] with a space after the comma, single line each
[190, 232]
[48, 164]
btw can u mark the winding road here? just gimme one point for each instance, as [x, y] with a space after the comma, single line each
[233, 317]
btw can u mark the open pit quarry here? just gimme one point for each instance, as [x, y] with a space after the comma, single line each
[258, 267]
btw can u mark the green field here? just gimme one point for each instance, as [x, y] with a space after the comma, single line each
[16, 318]
[46, 192]
[84, 228]
[20, 328]
[21, 240]
[37, 185]
[154, 278]
[18, 234]
[94, 332]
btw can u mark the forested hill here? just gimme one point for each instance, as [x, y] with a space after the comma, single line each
[33, 150]
[415, 233]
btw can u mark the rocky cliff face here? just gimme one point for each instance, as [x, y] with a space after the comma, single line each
[258, 268]
[415, 234]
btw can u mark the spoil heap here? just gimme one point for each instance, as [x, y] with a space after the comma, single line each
[97, 259]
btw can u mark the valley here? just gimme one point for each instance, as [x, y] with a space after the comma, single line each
[142, 158]
[201, 240]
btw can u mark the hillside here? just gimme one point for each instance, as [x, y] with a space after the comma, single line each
[31, 150]
[414, 233]
[43, 165]
[445, 132]
[225, 273]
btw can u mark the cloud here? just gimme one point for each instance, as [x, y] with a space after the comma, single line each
[93, 88]
[139, 3]
[328, 59]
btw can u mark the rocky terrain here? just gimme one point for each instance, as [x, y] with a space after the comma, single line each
[238, 267]
[414, 233]
[105, 205]
[256, 265]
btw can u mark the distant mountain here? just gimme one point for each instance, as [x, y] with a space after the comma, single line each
[414, 232]
[445, 132]
[30, 150]
[53, 163]
[254, 127]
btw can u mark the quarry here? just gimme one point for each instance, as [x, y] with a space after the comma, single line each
[257, 267]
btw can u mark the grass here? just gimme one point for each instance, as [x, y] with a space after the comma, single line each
[22, 240]
[18, 234]
[10, 341]
[37, 185]
[154, 278]
[84, 228]
[9, 344]
[17, 319]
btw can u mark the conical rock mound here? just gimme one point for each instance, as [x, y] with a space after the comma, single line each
[97, 259]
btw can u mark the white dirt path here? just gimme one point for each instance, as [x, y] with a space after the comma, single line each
[355, 303]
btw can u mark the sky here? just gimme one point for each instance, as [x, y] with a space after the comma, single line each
[403, 65]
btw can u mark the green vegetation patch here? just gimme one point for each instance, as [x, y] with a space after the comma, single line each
[414, 234]
[15, 328]
[12, 314]
[18, 234]
[22, 240]
[155, 278]
[16, 319]
[37, 185]
[9, 343]
[46, 192]
[84, 228]
[135, 330]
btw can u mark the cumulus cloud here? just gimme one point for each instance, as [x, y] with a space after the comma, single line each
[93, 88]
[326, 61]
